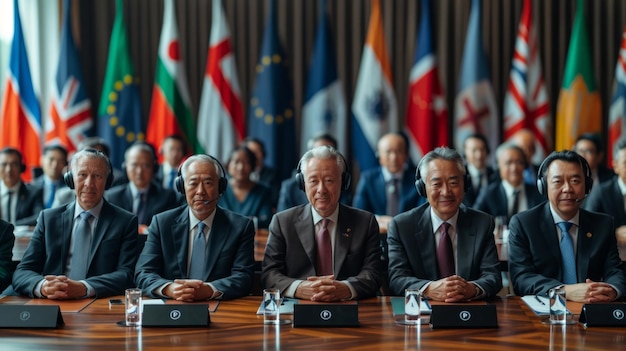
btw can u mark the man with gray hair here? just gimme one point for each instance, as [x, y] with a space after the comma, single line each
[323, 250]
[443, 248]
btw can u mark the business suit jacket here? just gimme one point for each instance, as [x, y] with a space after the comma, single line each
[291, 252]
[535, 257]
[29, 204]
[7, 239]
[111, 261]
[157, 201]
[413, 251]
[371, 192]
[291, 195]
[608, 199]
[230, 261]
[493, 199]
[472, 192]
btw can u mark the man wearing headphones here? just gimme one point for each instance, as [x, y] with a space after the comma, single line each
[558, 244]
[86, 248]
[443, 248]
[323, 250]
[20, 203]
[198, 251]
[141, 195]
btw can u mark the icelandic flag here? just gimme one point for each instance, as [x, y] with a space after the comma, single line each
[21, 115]
[526, 100]
[617, 110]
[475, 105]
[426, 115]
[374, 108]
[70, 112]
[324, 110]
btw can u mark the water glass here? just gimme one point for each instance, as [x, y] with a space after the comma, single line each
[412, 306]
[133, 307]
[558, 306]
[271, 306]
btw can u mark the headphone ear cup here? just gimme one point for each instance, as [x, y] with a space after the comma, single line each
[300, 180]
[223, 183]
[541, 186]
[68, 179]
[346, 180]
[420, 187]
[179, 184]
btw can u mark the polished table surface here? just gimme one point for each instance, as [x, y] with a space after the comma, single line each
[235, 326]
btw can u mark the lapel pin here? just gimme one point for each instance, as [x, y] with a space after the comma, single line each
[347, 233]
[589, 235]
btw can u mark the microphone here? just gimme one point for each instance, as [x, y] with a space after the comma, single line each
[581, 200]
[211, 201]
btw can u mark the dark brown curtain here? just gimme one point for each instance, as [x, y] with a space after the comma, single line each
[349, 21]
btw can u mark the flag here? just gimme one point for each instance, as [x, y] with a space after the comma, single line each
[21, 116]
[324, 109]
[70, 117]
[475, 108]
[271, 116]
[374, 107]
[426, 114]
[221, 123]
[526, 100]
[119, 113]
[617, 110]
[579, 108]
[170, 111]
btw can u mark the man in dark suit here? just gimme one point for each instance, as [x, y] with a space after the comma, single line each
[481, 174]
[20, 203]
[443, 248]
[84, 249]
[590, 146]
[558, 244]
[53, 162]
[7, 239]
[141, 195]
[388, 190]
[510, 194]
[178, 261]
[323, 250]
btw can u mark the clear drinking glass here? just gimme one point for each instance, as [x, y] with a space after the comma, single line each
[412, 306]
[271, 306]
[133, 307]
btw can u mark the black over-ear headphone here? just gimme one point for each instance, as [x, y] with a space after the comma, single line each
[568, 156]
[144, 146]
[420, 186]
[179, 182]
[346, 177]
[68, 177]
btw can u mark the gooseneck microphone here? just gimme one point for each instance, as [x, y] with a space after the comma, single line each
[580, 200]
[211, 201]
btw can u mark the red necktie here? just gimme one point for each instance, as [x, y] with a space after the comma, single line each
[324, 250]
[445, 255]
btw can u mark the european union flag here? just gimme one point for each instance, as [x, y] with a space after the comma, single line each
[271, 115]
[119, 114]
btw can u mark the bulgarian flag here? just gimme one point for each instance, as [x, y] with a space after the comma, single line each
[170, 111]
[579, 108]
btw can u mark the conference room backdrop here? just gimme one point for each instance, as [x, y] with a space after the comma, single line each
[297, 19]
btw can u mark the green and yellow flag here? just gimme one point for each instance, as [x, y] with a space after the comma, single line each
[579, 109]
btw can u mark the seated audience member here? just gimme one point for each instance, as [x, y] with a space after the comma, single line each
[526, 140]
[261, 173]
[388, 190]
[443, 248]
[476, 150]
[53, 162]
[243, 195]
[590, 146]
[84, 249]
[323, 250]
[101, 145]
[559, 244]
[509, 195]
[608, 197]
[141, 195]
[173, 149]
[291, 195]
[198, 251]
[7, 239]
[20, 203]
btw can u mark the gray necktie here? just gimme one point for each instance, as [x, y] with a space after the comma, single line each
[198, 254]
[82, 247]
[9, 214]
[141, 208]
[392, 197]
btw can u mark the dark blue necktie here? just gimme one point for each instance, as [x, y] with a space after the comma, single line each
[198, 254]
[170, 183]
[567, 254]
[82, 247]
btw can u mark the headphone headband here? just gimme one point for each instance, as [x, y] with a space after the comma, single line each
[567, 156]
[179, 182]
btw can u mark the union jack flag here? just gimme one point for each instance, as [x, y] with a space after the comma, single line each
[617, 111]
[70, 111]
[526, 99]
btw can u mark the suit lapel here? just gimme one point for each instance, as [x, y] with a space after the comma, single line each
[424, 241]
[217, 239]
[305, 234]
[66, 222]
[104, 221]
[618, 202]
[584, 244]
[465, 243]
[180, 240]
[343, 239]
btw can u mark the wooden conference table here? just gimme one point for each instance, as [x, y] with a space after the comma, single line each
[235, 326]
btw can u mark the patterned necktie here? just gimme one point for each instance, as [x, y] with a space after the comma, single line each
[567, 254]
[392, 197]
[324, 250]
[82, 247]
[198, 254]
[53, 188]
[445, 254]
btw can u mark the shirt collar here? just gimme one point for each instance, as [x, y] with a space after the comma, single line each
[575, 220]
[134, 190]
[438, 221]
[95, 211]
[193, 221]
[15, 189]
[387, 176]
[333, 216]
[509, 189]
